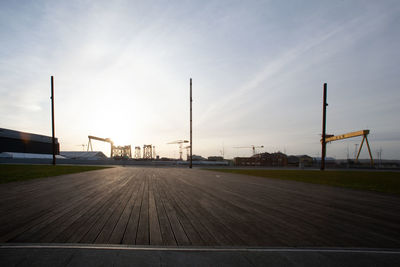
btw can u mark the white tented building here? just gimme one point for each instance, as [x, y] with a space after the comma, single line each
[86, 155]
[17, 155]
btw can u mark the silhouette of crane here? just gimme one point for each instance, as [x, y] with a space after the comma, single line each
[108, 140]
[83, 146]
[187, 152]
[179, 142]
[253, 147]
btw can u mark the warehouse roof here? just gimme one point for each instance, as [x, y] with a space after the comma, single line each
[95, 155]
[17, 155]
[7, 133]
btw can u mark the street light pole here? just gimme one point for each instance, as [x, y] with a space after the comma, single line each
[191, 141]
[323, 154]
[52, 121]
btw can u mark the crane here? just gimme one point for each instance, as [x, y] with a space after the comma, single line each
[187, 152]
[83, 146]
[363, 133]
[179, 142]
[253, 147]
[108, 140]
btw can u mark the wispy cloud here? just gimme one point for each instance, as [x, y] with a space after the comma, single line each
[122, 68]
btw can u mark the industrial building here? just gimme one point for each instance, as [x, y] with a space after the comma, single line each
[300, 161]
[215, 158]
[263, 159]
[84, 155]
[22, 142]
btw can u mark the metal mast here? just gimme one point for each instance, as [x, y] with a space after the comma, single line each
[191, 141]
[52, 121]
[324, 104]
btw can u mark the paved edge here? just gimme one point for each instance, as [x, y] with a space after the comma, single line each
[197, 249]
[34, 254]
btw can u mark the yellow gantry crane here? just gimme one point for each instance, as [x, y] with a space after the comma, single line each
[363, 133]
[115, 151]
[108, 140]
[180, 143]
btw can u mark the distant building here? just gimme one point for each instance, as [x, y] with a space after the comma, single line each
[166, 159]
[197, 158]
[329, 161]
[300, 161]
[17, 155]
[263, 159]
[215, 158]
[22, 142]
[87, 155]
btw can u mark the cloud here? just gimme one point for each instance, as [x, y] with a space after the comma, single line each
[124, 66]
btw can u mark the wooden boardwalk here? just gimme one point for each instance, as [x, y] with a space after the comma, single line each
[182, 207]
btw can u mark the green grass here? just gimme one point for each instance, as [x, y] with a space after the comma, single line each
[386, 182]
[13, 173]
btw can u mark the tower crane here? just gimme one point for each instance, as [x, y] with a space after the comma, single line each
[83, 146]
[180, 143]
[253, 147]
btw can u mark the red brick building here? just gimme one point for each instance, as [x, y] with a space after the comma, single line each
[263, 159]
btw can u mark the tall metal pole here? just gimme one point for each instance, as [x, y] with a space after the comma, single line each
[191, 143]
[323, 154]
[52, 121]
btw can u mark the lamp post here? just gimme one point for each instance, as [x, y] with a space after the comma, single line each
[324, 105]
[52, 120]
[191, 141]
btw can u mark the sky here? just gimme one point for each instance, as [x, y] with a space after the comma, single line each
[122, 70]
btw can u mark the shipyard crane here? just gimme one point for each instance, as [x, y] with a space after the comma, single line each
[180, 143]
[187, 152]
[108, 140]
[253, 147]
[363, 133]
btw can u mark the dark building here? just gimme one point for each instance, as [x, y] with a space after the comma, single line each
[263, 159]
[300, 161]
[197, 158]
[215, 158]
[15, 141]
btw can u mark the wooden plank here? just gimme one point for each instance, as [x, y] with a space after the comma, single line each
[45, 200]
[279, 217]
[189, 229]
[243, 213]
[189, 212]
[109, 226]
[45, 218]
[188, 207]
[132, 226]
[103, 215]
[154, 224]
[179, 232]
[68, 219]
[81, 226]
[301, 231]
[34, 207]
[234, 218]
[166, 231]
[120, 228]
[143, 235]
[36, 189]
[212, 223]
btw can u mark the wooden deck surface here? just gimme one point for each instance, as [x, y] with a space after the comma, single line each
[183, 207]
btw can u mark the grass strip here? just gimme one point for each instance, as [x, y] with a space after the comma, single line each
[17, 172]
[385, 182]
